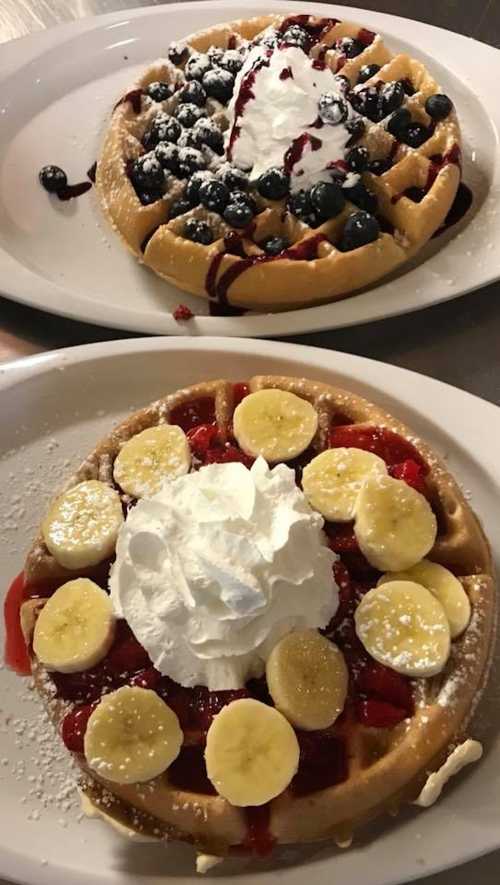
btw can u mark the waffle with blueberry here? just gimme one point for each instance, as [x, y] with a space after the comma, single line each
[171, 182]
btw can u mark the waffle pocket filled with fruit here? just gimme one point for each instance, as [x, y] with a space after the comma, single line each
[260, 613]
[279, 162]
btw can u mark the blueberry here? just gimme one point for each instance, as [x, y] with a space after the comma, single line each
[238, 214]
[378, 167]
[196, 66]
[300, 205]
[366, 102]
[359, 229]
[269, 39]
[327, 199]
[361, 197]
[179, 207]
[233, 178]
[168, 156]
[398, 122]
[416, 194]
[408, 86]
[192, 93]
[148, 197]
[163, 128]
[188, 114]
[215, 54]
[52, 178]
[366, 72]
[158, 91]
[415, 134]
[338, 175]
[438, 106]
[356, 127]
[177, 53]
[188, 139]
[147, 173]
[349, 47]
[275, 245]
[343, 83]
[198, 232]
[297, 36]
[242, 197]
[190, 160]
[192, 192]
[231, 61]
[274, 183]
[214, 195]
[357, 159]
[392, 96]
[207, 132]
[218, 84]
[332, 109]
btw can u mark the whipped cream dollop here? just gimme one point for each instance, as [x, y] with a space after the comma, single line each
[274, 105]
[216, 567]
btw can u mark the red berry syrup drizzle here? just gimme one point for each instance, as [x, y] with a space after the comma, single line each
[245, 95]
[463, 198]
[217, 290]
[317, 30]
[297, 148]
[16, 653]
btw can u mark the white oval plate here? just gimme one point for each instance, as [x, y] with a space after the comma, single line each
[57, 89]
[71, 398]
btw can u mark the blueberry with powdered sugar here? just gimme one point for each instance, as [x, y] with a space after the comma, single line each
[192, 192]
[188, 139]
[188, 114]
[218, 84]
[238, 215]
[192, 93]
[332, 109]
[356, 128]
[214, 195]
[349, 47]
[190, 160]
[147, 174]
[196, 66]
[158, 91]
[367, 72]
[163, 128]
[198, 232]
[233, 178]
[231, 61]
[177, 53]
[215, 54]
[391, 97]
[168, 156]
[206, 131]
[297, 36]
[179, 207]
[361, 197]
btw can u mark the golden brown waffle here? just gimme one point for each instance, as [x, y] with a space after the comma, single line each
[328, 273]
[386, 766]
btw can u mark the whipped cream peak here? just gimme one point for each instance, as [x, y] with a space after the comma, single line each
[212, 570]
[273, 117]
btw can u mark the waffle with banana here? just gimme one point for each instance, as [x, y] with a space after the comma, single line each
[373, 674]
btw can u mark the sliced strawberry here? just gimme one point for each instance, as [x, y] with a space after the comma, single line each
[322, 763]
[341, 537]
[127, 656]
[379, 714]
[411, 473]
[382, 442]
[385, 684]
[201, 438]
[149, 678]
[240, 391]
[227, 454]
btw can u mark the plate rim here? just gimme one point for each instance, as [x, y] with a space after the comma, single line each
[29, 288]
[423, 388]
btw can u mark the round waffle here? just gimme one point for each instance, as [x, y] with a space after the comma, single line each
[410, 194]
[385, 766]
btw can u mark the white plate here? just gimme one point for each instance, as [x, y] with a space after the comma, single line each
[56, 94]
[71, 398]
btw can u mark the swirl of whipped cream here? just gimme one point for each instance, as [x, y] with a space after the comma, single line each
[212, 570]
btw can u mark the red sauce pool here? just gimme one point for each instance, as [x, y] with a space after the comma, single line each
[16, 652]
[196, 411]
[259, 839]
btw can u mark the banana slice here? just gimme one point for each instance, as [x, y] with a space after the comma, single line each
[252, 752]
[132, 736]
[403, 626]
[75, 627]
[307, 679]
[275, 424]
[147, 458]
[394, 524]
[445, 587]
[332, 481]
[82, 525]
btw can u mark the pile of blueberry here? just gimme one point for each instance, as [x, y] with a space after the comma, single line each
[224, 193]
[383, 101]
